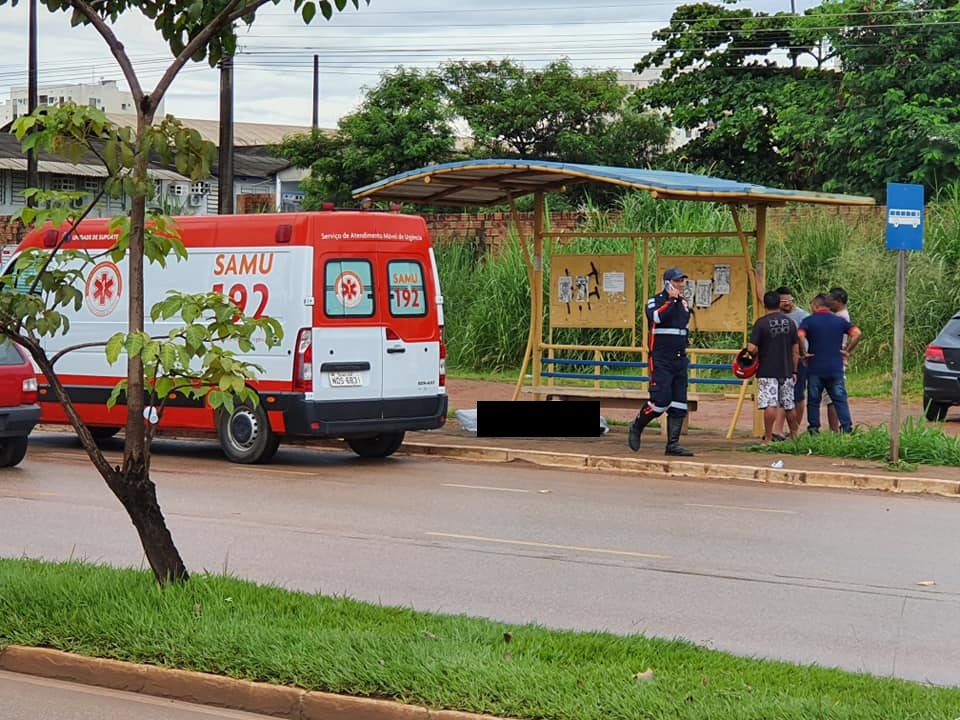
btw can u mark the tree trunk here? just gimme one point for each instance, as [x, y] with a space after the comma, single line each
[132, 484]
[138, 495]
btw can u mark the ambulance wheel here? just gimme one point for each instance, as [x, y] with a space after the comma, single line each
[245, 434]
[12, 450]
[378, 446]
[103, 433]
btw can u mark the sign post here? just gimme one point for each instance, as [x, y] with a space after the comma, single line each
[904, 232]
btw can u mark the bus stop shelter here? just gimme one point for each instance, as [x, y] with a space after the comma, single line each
[485, 183]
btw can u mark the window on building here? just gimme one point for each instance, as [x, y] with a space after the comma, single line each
[63, 183]
[91, 186]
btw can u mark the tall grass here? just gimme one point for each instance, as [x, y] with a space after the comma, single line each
[488, 297]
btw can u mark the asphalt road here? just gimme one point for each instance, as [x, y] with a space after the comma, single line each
[23, 697]
[861, 580]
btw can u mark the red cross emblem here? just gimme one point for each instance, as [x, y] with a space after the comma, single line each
[103, 289]
[349, 288]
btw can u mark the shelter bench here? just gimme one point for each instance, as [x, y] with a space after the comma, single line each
[566, 369]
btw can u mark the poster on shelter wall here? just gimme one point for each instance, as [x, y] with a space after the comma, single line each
[596, 291]
[717, 290]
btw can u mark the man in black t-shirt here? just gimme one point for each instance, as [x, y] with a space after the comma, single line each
[774, 338]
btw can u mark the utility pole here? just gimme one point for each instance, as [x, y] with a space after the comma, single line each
[793, 11]
[225, 195]
[316, 92]
[33, 170]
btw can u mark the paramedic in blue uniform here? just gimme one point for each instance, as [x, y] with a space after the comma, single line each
[667, 315]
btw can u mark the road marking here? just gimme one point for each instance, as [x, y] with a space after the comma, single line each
[527, 543]
[484, 487]
[738, 507]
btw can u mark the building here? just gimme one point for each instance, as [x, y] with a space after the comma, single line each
[105, 95]
[635, 81]
[262, 182]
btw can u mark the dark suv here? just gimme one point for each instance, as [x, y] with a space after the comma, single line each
[941, 371]
[19, 411]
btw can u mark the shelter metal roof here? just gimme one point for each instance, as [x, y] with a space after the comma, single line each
[491, 182]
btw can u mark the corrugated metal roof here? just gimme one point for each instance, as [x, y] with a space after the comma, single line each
[491, 182]
[245, 134]
[50, 167]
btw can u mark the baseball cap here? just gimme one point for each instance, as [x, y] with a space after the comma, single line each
[674, 274]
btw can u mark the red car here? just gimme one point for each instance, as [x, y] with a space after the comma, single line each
[19, 411]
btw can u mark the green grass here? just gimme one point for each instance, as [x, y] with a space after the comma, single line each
[921, 443]
[230, 627]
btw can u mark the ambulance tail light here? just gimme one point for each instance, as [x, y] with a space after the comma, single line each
[303, 362]
[50, 238]
[443, 364]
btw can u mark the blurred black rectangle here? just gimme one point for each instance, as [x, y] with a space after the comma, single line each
[538, 418]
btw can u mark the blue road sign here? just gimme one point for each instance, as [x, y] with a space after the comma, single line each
[904, 216]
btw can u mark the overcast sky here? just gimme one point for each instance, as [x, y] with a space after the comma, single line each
[273, 79]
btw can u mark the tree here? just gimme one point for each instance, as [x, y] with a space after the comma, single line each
[631, 139]
[403, 123]
[872, 97]
[194, 30]
[899, 115]
[408, 121]
[515, 111]
[723, 81]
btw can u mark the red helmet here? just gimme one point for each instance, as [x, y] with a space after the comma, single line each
[745, 364]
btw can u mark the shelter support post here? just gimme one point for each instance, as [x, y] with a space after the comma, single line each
[536, 290]
[758, 282]
[525, 250]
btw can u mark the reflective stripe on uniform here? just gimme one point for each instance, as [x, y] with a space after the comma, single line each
[678, 405]
[669, 331]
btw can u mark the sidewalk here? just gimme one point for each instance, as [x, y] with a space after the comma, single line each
[715, 456]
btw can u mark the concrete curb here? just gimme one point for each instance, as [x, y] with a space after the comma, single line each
[689, 469]
[203, 689]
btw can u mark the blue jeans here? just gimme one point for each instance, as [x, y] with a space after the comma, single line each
[837, 390]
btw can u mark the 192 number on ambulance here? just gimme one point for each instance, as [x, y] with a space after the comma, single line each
[239, 296]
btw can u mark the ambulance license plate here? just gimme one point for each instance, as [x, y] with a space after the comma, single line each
[345, 379]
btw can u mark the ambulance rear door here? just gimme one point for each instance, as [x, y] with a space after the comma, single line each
[411, 330]
[348, 344]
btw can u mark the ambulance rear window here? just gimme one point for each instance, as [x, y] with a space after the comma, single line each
[408, 297]
[348, 288]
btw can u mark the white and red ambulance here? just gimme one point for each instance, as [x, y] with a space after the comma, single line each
[357, 294]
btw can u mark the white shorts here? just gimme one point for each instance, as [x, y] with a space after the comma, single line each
[775, 392]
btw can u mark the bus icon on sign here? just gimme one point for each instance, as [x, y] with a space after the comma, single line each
[897, 217]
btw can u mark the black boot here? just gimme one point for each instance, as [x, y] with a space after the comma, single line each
[674, 426]
[642, 419]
